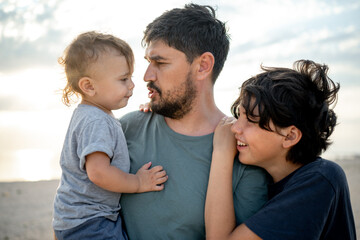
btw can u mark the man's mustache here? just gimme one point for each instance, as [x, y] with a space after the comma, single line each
[152, 85]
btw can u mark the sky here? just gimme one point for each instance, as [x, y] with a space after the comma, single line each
[34, 33]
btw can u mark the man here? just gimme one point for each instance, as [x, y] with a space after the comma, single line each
[186, 51]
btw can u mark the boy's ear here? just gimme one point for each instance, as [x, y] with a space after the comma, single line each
[205, 65]
[86, 86]
[293, 136]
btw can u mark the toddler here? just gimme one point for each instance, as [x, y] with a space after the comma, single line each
[94, 160]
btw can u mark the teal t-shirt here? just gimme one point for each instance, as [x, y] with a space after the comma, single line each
[177, 212]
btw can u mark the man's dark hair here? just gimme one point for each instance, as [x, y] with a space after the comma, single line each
[193, 30]
[299, 97]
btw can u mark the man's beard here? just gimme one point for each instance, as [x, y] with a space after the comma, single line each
[177, 103]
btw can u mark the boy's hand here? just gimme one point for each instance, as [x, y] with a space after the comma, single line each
[145, 107]
[151, 179]
[224, 140]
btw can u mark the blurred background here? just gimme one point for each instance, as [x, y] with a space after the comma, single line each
[34, 33]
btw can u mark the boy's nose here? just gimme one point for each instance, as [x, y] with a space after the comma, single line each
[236, 127]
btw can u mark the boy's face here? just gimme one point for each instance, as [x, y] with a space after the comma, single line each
[112, 81]
[257, 146]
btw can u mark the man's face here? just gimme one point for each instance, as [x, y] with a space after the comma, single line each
[171, 87]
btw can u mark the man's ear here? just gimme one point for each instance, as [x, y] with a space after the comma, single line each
[86, 86]
[292, 137]
[205, 65]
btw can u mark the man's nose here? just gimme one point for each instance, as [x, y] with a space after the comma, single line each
[150, 74]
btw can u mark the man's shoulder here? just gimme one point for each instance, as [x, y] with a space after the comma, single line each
[138, 120]
[134, 116]
[250, 176]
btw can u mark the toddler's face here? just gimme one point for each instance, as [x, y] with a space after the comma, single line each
[112, 81]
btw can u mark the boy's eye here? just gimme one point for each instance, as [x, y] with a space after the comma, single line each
[252, 120]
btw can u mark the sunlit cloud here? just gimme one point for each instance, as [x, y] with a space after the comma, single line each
[29, 35]
[31, 89]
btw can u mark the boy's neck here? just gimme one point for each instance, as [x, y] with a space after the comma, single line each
[280, 171]
[91, 103]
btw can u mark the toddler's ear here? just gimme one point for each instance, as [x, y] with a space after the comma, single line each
[292, 137]
[86, 86]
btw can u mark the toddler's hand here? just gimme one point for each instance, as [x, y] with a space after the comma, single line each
[151, 179]
[224, 140]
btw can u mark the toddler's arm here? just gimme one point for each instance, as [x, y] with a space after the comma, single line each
[109, 177]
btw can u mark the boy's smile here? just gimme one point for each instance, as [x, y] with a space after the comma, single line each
[256, 146]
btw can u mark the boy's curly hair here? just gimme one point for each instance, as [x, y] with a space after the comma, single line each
[301, 97]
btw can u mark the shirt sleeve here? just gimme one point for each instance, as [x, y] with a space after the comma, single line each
[298, 212]
[97, 136]
[250, 190]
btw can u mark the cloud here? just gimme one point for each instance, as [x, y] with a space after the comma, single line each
[28, 34]
[10, 103]
[332, 37]
[34, 33]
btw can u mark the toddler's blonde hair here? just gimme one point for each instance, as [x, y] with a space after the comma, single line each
[84, 51]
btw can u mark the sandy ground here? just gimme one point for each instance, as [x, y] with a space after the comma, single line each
[26, 210]
[26, 207]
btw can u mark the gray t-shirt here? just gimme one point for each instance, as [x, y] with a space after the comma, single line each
[177, 212]
[78, 199]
